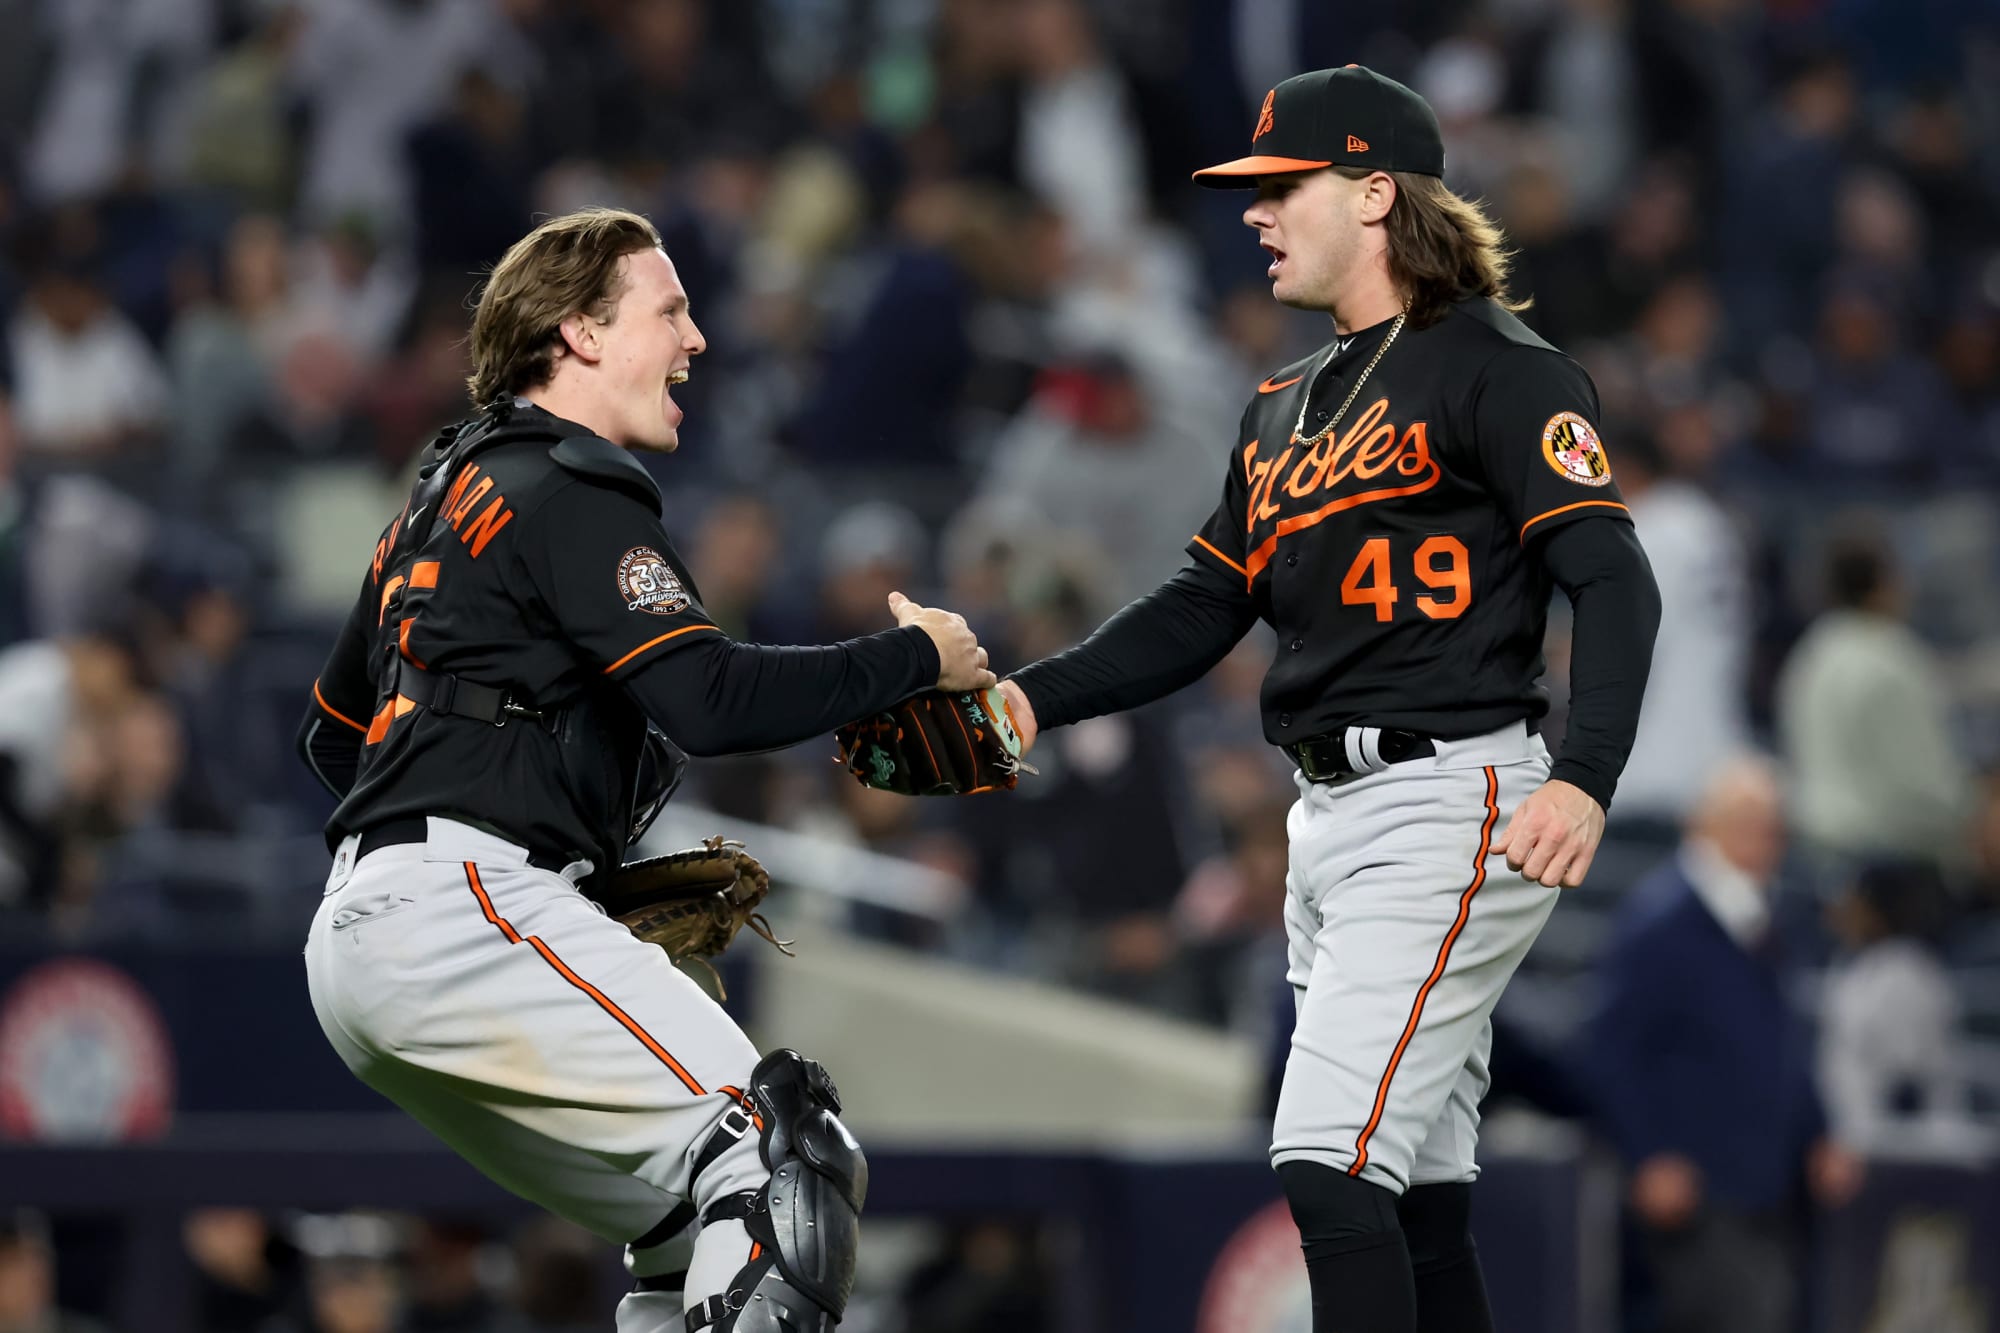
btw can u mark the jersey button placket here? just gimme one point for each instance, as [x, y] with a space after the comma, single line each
[1298, 645]
[1284, 719]
[1292, 559]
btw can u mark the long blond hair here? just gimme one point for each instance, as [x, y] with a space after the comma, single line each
[1442, 248]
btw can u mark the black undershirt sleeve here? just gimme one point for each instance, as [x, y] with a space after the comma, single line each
[717, 696]
[1165, 640]
[1601, 566]
[335, 724]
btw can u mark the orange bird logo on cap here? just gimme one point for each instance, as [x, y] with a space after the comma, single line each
[1265, 120]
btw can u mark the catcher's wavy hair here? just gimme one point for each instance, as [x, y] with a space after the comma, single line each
[566, 265]
[1442, 248]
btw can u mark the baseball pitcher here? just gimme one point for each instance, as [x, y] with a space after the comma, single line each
[1398, 506]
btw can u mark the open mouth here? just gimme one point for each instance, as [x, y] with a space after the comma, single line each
[1277, 259]
[678, 377]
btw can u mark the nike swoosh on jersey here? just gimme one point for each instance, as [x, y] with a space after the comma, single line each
[1272, 386]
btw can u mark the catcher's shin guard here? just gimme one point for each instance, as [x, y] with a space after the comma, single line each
[806, 1219]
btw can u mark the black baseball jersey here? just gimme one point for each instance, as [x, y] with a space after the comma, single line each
[1392, 553]
[543, 572]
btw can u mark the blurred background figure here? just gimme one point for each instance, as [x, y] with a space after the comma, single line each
[1694, 716]
[247, 1272]
[1889, 1059]
[28, 1279]
[1702, 1073]
[555, 1276]
[1865, 720]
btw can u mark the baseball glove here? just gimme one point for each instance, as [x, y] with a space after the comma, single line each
[936, 744]
[689, 903]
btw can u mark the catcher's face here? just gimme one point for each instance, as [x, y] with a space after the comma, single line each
[1314, 225]
[644, 350]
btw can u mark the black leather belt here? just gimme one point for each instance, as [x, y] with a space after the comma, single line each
[415, 828]
[1353, 750]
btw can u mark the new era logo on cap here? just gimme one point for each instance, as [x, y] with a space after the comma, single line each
[1351, 115]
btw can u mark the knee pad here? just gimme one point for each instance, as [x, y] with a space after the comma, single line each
[806, 1219]
[1437, 1221]
[1337, 1212]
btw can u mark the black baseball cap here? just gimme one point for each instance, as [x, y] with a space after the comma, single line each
[1346, 117]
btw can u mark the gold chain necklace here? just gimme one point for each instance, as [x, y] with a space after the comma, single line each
[1347, 402]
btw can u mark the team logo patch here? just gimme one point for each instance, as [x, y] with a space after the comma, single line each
[648, 583]
[1572, 447]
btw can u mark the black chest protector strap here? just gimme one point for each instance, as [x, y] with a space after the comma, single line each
[455, 696]
[440, 691]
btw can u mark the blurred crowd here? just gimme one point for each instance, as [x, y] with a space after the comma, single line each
[387, 1272]
[974, 336]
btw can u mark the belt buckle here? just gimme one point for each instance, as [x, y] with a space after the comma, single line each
[1306, 752]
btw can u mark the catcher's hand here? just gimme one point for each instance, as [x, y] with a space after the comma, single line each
[936, 744]
[689, 903]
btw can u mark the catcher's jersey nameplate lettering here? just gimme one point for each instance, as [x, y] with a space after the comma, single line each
[1574, 450]
[648, 583]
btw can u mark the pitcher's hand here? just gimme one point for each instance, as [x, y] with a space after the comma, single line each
[1553, 835]
[1023, 713]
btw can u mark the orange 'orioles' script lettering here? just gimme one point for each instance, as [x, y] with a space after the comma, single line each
[1369, 451]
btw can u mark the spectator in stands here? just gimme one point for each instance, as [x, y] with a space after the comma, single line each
[1880, 412]
[86, 385]
[1882, 241]
[895, 364]
[1778, 206]
[59, 701]
[470, 174]
[870, 550]
[369, 72]
[246, 1273]
[1864, 721]
[224, 348]
[1693, 717]
[196, 619]
[984, 1276]
[1080, 145]
[1968, 352]
[556, 1267]
[1091, 463]
[349, 1294]
[446, 1291]
[1228, 919]
[1045, 868]
[1552, 260]
[1653, 236]
[28, 1279]
[239, 141]
[1889, 1058]
[1676, 345]
[1703, 1076]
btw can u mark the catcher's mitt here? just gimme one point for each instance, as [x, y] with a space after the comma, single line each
[689, 903]
[936, 744]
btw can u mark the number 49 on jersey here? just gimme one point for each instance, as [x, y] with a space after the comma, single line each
[1440, 564]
